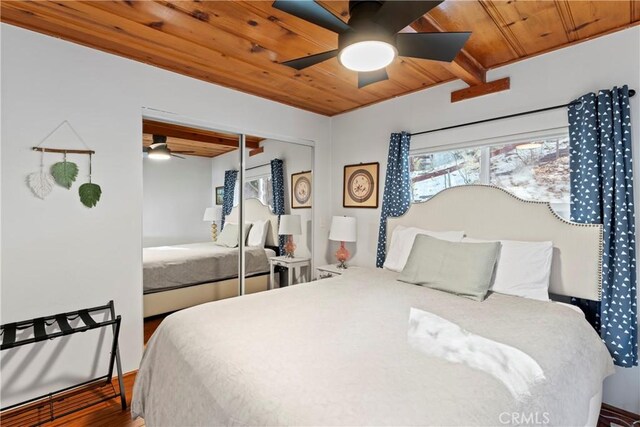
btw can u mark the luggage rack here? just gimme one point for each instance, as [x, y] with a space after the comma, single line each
[68, 400]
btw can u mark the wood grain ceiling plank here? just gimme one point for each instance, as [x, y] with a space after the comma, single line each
[198, 26]
[532, 26]
[491, 8]
[86, 30]
[596, 17]
[634, 10]
[239, 32]
[125, 17]
[566, 18]
[487, 45]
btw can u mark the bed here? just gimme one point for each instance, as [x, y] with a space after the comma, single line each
[180, 276]
[340, 352]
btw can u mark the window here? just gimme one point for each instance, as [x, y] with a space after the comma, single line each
[256, 188]
[533, 169]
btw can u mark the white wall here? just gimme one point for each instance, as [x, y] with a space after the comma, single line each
[551, 79]
[59, 255]
[296, 158]
[176, 193]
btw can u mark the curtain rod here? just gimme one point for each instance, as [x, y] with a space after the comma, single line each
[524, 113]
[258, 166]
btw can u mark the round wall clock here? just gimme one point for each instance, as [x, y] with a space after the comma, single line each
[302, 190]
[360, 185]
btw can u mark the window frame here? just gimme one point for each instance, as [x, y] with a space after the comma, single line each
[485, 145]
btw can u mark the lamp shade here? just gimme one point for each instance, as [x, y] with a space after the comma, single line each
[213, 214]
[343, 229]
[290, 224]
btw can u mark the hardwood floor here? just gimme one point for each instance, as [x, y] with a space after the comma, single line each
[110, 413]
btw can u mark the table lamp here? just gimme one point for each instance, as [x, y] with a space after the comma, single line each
[214, 215]
[343, 229]
[289, 225]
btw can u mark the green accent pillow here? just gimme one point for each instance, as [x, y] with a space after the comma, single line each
[463, 269]
[229, 236]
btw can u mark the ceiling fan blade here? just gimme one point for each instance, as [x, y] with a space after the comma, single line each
[312, 12]
[175, 155]
[434, 46]
[395, 15]
[308, 61]
[369, 77]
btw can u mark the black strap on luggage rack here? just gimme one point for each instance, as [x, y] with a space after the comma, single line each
[56, 404]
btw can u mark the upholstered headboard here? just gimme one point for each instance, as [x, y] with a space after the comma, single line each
[487, 212]
[254, 210]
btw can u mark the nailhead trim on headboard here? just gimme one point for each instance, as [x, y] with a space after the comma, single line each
[555, 214]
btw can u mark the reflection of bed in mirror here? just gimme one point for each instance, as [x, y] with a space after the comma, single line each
[180, 276]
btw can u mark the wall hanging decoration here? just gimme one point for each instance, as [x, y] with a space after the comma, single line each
[89, 192]
[301, 190]
[360, 187]
[40, 182]
[63, 173]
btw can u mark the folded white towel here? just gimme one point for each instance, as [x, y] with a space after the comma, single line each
[438, 337]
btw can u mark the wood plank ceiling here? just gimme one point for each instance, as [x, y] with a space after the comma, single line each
[238, 44]
[196, 142]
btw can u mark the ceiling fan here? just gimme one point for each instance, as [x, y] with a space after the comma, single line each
[370, 40]
[160, 151]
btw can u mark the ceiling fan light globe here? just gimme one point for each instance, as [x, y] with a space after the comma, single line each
[369, 55]
[160, 153]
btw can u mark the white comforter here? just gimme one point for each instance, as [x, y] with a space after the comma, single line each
[339, 352]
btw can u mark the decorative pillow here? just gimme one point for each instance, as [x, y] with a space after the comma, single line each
[258, 233]
[463, 269]
[402, 241]
[524, 268]
[229, 236]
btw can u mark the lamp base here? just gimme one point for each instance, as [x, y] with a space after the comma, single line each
[214, 231]
[290, 247]
[342, 255]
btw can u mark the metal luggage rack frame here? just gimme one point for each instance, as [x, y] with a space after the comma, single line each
[68, 400]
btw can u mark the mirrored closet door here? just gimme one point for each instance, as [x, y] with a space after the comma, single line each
[278, 207]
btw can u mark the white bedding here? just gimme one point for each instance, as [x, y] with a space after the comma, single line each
[337, 352]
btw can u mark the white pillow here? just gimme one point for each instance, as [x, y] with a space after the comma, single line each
[523, 268]
[258, 233]
[402, 242]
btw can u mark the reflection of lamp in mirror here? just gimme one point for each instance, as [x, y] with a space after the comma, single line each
[214, 215]
[290, 225]
[343, 229]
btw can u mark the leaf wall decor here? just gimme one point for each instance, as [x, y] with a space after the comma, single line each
[65, 173]
[89, 194]
[40, 183]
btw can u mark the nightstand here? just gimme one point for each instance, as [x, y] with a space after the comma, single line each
[331, 270]
[290, 264]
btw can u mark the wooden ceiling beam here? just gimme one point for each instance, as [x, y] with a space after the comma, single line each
[480, 90]
[464, 66]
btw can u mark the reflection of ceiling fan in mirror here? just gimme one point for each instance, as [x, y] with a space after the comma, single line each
[160, 151]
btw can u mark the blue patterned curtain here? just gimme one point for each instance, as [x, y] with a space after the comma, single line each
[230, 178]
[602, 192]
[397, 188]
[277, 183]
